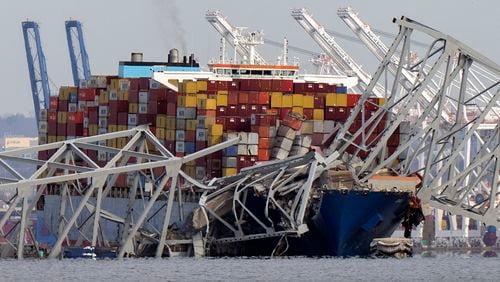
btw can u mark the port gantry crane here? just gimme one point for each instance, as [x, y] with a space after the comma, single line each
[344, 62]
[80, 66]
[37, 67]
[431, 134]
[243, 45]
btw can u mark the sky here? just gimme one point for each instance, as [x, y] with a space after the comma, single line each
[115, 28]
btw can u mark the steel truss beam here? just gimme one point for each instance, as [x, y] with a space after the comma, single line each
[71, 166]
[453, 174]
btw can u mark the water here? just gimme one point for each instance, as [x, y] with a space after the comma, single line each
[443, 267]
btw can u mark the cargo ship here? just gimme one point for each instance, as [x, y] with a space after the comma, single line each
[189, 109]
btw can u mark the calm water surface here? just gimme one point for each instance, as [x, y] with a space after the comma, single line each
[441, 267]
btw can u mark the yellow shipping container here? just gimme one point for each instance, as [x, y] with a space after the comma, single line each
[123, 95]
[62, 117]
[308, 102]
[191, 124]
[211, 104]
[221, 99]
[61, 138]
[298, 100]
[161, 121]
[93, 129]
[133, 108]
[115, 84]
[181, 101]
[51, 139]
[331, 100]
[122, 127]
[160, 133]
[112, 128]
[170, 135]
[191, 87]
[121, 142]
[216, 129]
[223, 92]
[201, 85]
[208, 121]
[299, 110]
[318, 114]
[229, 171]
[341, 100]
[213, 140]
[276, 99]
[103, 97]
[191, 163]
[190, 170]
[287, 101]
[174, 82]
[190, 101]
[381, 101]
[201, 96]
[111, 143]
[170, 123]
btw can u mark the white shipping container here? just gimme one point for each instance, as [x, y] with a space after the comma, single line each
[143, 108]
[102, 156]
[180, 135]
[229, 162]
[253, 150]
[242, 135]
[201, 172]
[287, 132]
[103, 111]
[132, 119]
[201, 134]
[43, 114]
[253, 138]
[113, 95]
[85, 122]
[103, 130]
[143, 97]
[284, 143]
[278, 153]
[180, 124]
[180, 146]
[81, 106]
[153, 84]
[72, 107]
[42, 127]
[242, 150]
[329, 126]
[318, 126]
[103, 122]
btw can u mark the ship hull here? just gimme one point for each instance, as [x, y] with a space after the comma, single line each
[344, 225]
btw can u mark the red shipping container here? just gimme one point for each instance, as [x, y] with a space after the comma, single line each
[232, 110]
[308, 113]
[276, 85]
[62, 106]
[316, 139]
[284, 112]
[122, 119]
[201, 161]
[221, 120]
[243, 97]
[161, 94]
[286, 86]
[190, 136]
[292, 122]
[112, 118]
[265, 85]
[232, 98]
[144, 83]
[233, 85]
[152, 108]
[200, 145]
[212, 85]
[263, 155]
[244, 124]
[264, 143]
[299, 87]
[253, 97]
[52, 116]
[241, 162]
[341, 114]
[263, 98]
[372, 104]
[321, 87]
[161, 107]
[309, 87]
[61, 129]
[263, 109]
[170, 146]
[171, 109]
[319, 102]
[352, 99]
[222, 85]
[87, 94]
[221, 111]
[85, 132]
[133, 96]
[243, 111]
[142, 119]
[53, 102]
[52, 128]
[232, 123]
[118, 106]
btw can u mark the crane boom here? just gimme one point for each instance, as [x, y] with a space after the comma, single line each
[80, 66]
[333, 49]
[37, 67]
[232, 35]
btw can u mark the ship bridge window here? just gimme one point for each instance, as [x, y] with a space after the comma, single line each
[256, 72]
[267, 72]
[235, 71]
[244, 72]
[219, 71]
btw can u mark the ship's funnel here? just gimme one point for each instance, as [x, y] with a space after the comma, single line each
[136, 57]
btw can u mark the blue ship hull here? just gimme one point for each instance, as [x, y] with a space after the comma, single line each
[344, 225]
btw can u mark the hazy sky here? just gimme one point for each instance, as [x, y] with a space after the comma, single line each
[114, 28]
